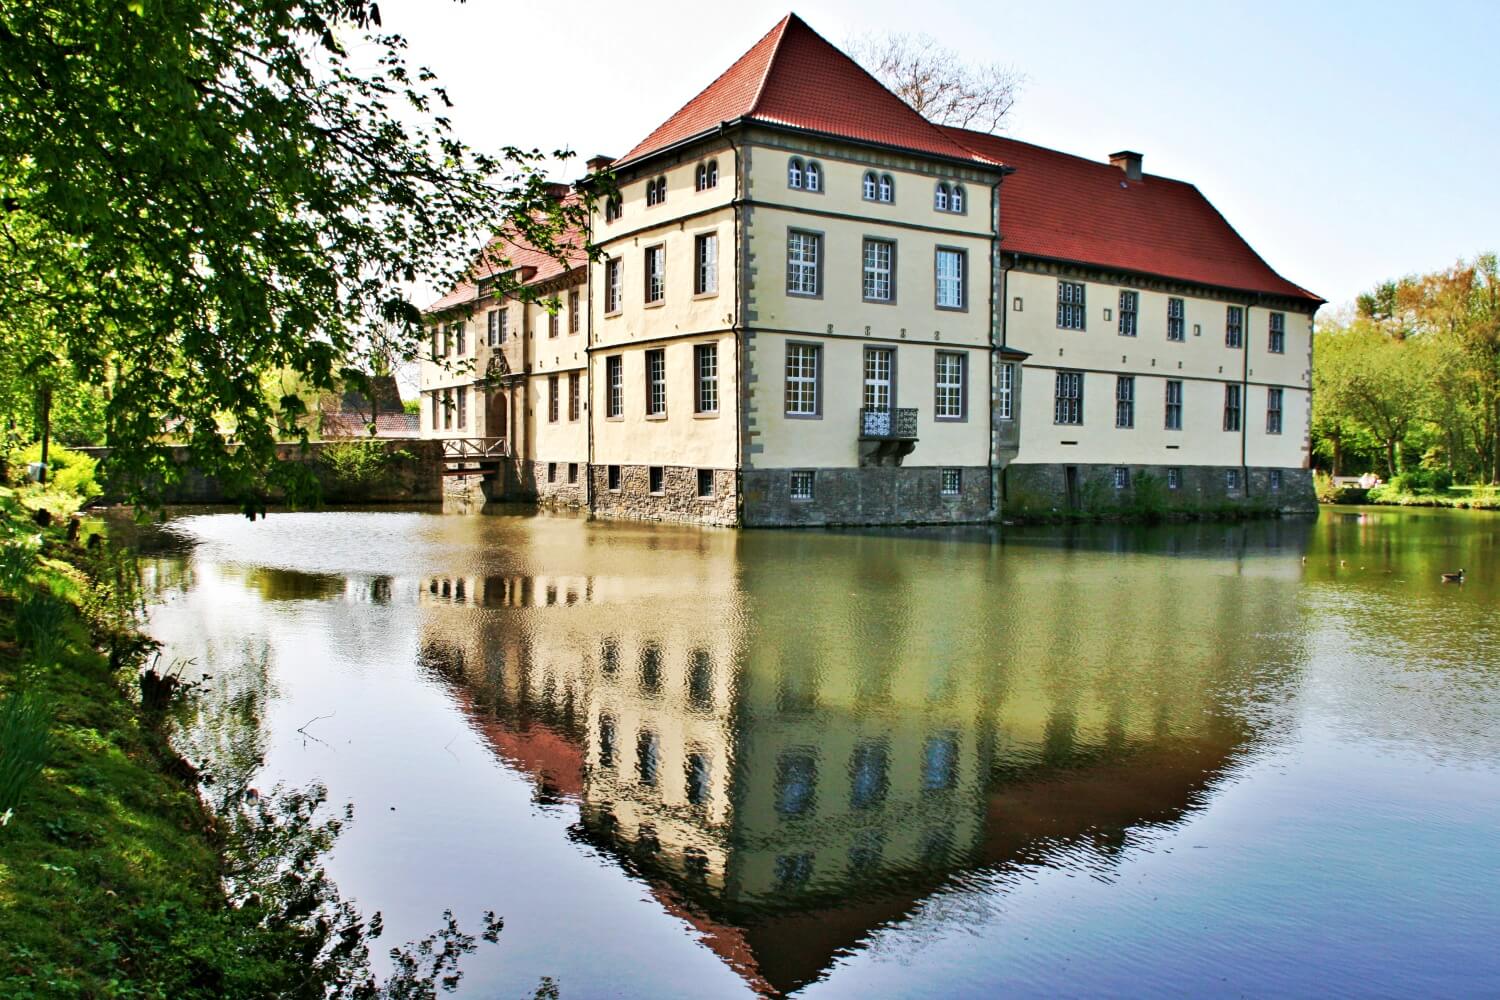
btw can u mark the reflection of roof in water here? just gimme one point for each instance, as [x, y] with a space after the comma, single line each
[1027, 816]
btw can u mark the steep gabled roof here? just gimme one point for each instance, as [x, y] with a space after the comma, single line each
[793, 76]
[1067, 208]
[506, 252]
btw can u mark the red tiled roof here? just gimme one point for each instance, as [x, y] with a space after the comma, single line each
[506, 252]
[1067, 208]
[793, 76]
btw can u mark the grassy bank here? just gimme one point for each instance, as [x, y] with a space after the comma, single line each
[116, 880]
[1401, 492]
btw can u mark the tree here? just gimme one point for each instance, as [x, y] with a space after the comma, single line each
[936, 81]
[1365, 376]
[195, 193]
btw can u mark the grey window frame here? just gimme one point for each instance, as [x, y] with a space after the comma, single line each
[554, 401]
[865, 271]
[869, 188]
[709, 494]
[654, 291]
[1177, 324]
[957, 476]
[963, 278]
[1173, 407]
[492, 327]
[574, 320]
[705, 387]
[614, 387]
[867, 383]
[1174, 478]
[1276, 333]
[938, 387]
[1069, 308]
[1069, 404]
[1122, 477]
[575, 408]
[656, 383]
[1277, 396]
[614, 285]
[1234, 407]
[816, 380]
[795, 171]
[812, 177]
[705, 273]
[1234, 327]
[1125, 402]
[1129, 319]
[886, 193]
[817, 264]
[812, 485]
[1005, 390]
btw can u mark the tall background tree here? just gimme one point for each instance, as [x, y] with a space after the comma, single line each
[196, 193]
[937, 82]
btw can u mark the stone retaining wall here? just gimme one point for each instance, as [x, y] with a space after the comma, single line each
[1042, 490]
[677, 501]
[870, 495]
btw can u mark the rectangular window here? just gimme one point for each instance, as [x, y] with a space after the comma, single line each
[447, 409]
[504, 326]
[437, 333]
[614, 386]
[461, 334]
[657, 479]
[552, 324]
[1174, 405]
[706, 375]
[552, 400]
[551, 472]
[437, 405]
[1231, 479]
[1122, 477]
[656, 273]
[950, 278]
[573, 312]
[949, 384]
[463, 406]
[1234, 327]
[803, 364]
[1273, 411]
[706, 271]
[1005, 384]
[1176, 320]
[1174, 479]
[880, 257]
[1231, 407]
[612, 474]
[1070, 306]
[656, 382]
[705, 483]
[952, 482]
[574, 380]
[801, 487]
[572, 472]
[1274, 480]
[1125, 401]
[1067, 403]
[1129, 304]
[492, 327]
[804, 263]
[879, 365]
[614, 275]
[1278, 333]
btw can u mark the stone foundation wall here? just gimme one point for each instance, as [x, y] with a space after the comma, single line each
[1042, 490]
[871, 495]
[678, 500]
[559, 492]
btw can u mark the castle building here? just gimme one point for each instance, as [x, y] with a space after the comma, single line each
[814, 306]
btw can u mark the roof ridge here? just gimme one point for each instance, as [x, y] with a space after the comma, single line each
[765, 75]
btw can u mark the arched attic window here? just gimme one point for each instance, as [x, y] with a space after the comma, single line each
[940, 198]
[871, 185]
[814, 176]
[887, 188]
[794, 173]
[956, 202]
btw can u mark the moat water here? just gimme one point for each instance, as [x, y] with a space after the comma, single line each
[1254, 758]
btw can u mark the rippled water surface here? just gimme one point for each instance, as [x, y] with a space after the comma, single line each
[1260, 759]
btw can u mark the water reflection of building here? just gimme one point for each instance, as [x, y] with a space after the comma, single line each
[790, 785]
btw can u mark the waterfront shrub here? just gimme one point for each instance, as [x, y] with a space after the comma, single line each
[358, 462]
[68, 471]
[1148, 497]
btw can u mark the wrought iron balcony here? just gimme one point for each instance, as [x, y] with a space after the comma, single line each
[886, 436]
[886, 424]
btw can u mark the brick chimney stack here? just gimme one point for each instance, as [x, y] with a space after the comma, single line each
[1128, 161]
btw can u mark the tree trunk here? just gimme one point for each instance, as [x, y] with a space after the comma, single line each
[46, 408]
[1390, 459]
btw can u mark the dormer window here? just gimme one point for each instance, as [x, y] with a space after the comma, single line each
[794, 173]
[871, 185]
[814, 177]
[940, 198]
[656, 191]
[707, 176]
[887, 189]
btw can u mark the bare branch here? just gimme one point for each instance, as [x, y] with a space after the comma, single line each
[936, 81]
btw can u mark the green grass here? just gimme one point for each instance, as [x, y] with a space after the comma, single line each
[1472, 497]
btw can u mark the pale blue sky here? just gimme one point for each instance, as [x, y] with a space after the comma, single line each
[1347, 142]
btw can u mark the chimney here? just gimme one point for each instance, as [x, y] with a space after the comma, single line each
[1127, 161]
[557, 190]
[598, 162]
